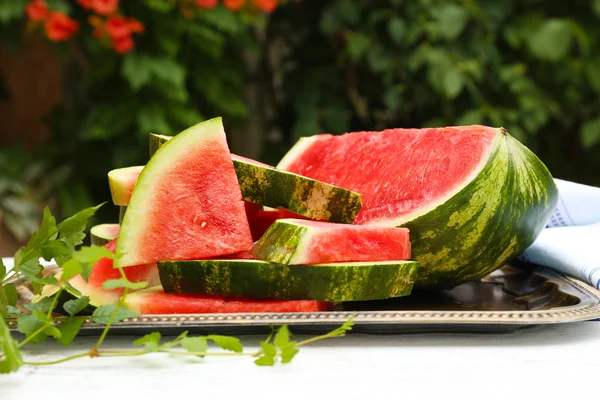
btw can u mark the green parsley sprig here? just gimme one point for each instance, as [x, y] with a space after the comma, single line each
[63, 243]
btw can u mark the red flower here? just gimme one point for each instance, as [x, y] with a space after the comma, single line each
[234, 5]
[37, 10]
[123, 44]
[117, 27]
[59, 27]
[207, 3]
[105, 7]
[86, 4]
[267, 6]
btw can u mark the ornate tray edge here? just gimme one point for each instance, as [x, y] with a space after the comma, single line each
[583, 312]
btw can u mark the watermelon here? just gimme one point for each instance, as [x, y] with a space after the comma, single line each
[187, 202]
[102, 271]
[155, 301]
[331, 282]
[104, 233]
[121, 182]
[472, 197]
[262, 184]
[298, 242]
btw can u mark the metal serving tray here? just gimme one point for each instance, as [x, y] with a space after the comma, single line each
[514, 297]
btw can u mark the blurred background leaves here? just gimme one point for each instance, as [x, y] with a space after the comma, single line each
[532, 66]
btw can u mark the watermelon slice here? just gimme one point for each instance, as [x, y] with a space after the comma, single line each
[262, 280]
[101, 272]
[297, 242]
[104, 233]
[263, 184]
[472, 197]
[156, 301]
[187, 202]
[121, 182]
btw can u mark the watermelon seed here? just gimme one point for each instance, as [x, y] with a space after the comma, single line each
[203, 224]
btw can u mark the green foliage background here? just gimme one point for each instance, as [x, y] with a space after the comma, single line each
[532, 66]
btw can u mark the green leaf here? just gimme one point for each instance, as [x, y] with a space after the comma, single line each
[221, 18]
[103, 314]
[596, 7]
[397, 30]
[197, 344]
[471, 117]
[590, 134]
[552, 40]
[30, 267]
[69, 288]
[2, 270]
[69, 330]
[348, 11]
[123, 283]
[282, 337]
[330, 22]
[53, 331]
[135, 71]
[161, 6]
[174, 342]
[41, 316]
[288, 352]
[451, 20]
[10, 360]
[149, 341]
[92, 254]
[227, 343]
[71, 229]
[47, 231]
[77, 305]
[358, 45]
[10, 292]
[70, 269]
[43, 305]
[268, 357]
[28, 323]
[11, 310]
[55, 249]
[453, 83]
[43, 281]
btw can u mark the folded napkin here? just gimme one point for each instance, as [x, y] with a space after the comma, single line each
[571, 241]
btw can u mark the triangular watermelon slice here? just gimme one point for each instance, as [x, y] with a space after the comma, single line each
[187, 202]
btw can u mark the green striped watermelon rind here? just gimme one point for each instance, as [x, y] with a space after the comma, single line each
[265, 185]
[262, 280]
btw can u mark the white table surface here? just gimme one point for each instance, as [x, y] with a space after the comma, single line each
[542, 362]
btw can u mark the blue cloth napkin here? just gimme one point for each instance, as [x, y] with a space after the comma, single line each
[571, 241]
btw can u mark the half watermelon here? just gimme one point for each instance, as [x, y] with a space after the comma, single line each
[473, 197]
[186, 203]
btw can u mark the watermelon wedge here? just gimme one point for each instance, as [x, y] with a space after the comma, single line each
[331, 282]
[473, 197]
[104, 233]
[299, 242]
[187, 202]
[102, 271]
[121, 182]
[155, 301]
[263, 184]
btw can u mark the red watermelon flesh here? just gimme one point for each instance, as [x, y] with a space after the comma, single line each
[302, 242]
[187, 202]
[156, 301]
[399, 172]
[103, 270]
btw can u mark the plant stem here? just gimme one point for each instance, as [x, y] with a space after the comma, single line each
[34, 334]
[54, 301]
[94, 349]
[197, 353]
[59, 361]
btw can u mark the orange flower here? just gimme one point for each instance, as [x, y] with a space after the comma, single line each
[37, 10]
[59, 27]
[267, 6]
[86, 4]
[135, 26]
[123, 44]
[105, 7]
[207, 3]
[234, 5]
